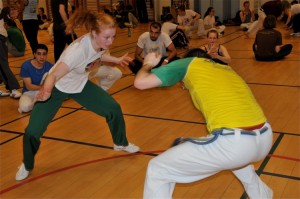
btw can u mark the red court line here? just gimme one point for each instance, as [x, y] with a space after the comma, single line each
[100, 160]
[284, 157]
[71, 167]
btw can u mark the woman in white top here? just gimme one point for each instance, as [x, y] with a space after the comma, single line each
[68, 78]
[209, 23]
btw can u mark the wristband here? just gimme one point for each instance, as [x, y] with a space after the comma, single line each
[165, 60]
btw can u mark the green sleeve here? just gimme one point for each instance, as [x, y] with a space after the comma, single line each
[173, 72]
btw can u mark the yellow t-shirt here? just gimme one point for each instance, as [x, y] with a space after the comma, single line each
[221, 95]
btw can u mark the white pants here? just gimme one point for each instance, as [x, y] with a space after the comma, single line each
[203, 32]
[26, 101]
[257, 25]
[107, 76]
[190, 162]
[188, 30]
[245, 25]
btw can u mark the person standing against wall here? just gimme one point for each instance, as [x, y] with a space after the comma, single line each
[60, 16]
[6, 75]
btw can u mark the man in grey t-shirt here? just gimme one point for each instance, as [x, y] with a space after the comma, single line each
[153, 41]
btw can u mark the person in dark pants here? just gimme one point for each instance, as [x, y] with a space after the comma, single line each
[268, 42]
[142, 11]
[6, 75]
[68, 78]
[60, 18]
[30, 22]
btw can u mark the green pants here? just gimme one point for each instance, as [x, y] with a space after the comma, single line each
[92, 97]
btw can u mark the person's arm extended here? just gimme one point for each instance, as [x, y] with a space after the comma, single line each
[123, 61]
[58, 72]
[289, 15]
[172, 53]
[144, 78]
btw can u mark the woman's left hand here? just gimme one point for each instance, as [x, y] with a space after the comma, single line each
[124, 60]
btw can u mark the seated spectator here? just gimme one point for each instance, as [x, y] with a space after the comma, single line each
[273, 7]
[176, 32]
[43, 19]
[189, 19]
[209, 23]
[268, 42]
[33, 73]
[153, 41]
[216, 51]
[15, 40]
[246, 16]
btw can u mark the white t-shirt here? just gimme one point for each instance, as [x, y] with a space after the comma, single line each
[2, 29]
[29, 11]
[158, 46]
[209, 20]
[78, 56]
[187, 18]
[168, 27]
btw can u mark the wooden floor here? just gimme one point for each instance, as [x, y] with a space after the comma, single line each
[76, 159]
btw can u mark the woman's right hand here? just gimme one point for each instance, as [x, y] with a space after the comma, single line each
[42, 95]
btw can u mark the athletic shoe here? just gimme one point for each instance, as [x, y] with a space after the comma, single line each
[15, 94]
[4, 93]
[131, 148]
[22, 173]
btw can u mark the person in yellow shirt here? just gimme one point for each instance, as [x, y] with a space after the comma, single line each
[239, 133]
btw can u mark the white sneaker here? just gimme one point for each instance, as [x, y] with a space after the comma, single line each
[131, 148]
[15, 94]
[22, 173]
[4, 93]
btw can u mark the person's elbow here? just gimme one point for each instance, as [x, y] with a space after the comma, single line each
[140, 84]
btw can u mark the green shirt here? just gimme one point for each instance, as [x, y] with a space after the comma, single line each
[217, 91]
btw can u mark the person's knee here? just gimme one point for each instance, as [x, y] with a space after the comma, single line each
[24, 108]
[25, 103]
[152, 166]
[115, 74]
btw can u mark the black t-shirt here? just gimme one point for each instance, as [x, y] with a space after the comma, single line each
[266, 41]
[41, 18]
[57, 20]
